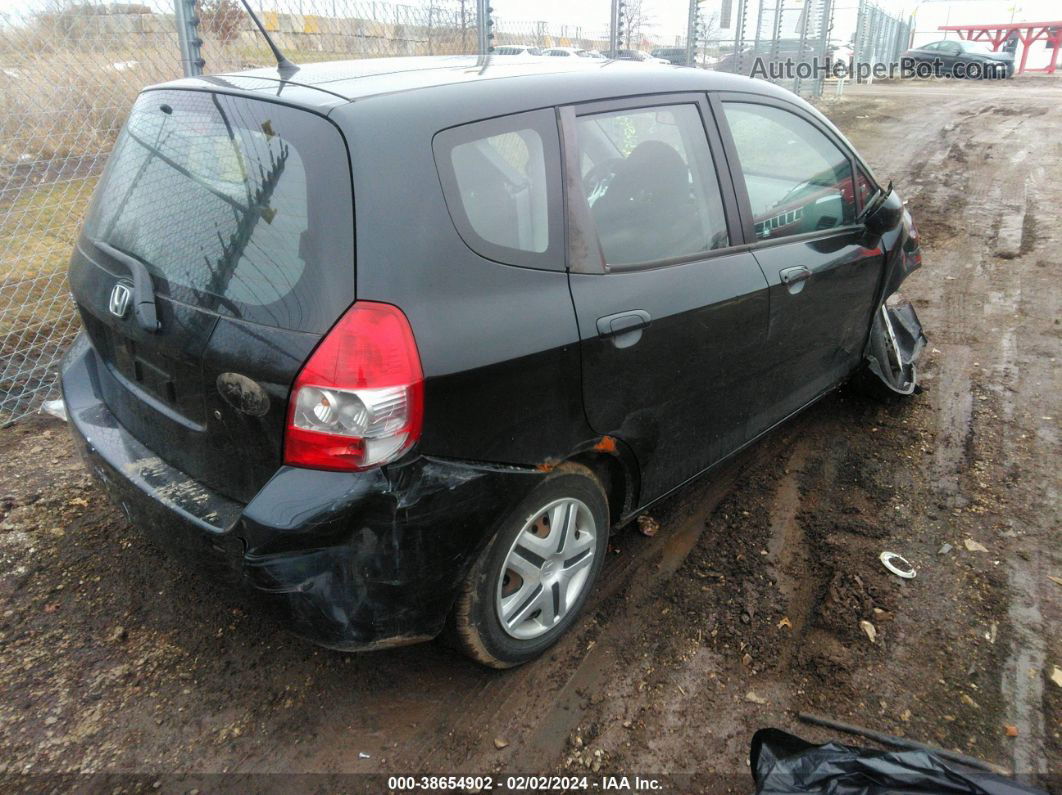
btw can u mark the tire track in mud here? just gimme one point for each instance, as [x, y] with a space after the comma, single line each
[542, 704]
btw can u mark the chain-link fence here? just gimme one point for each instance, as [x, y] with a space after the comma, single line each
[68, 76]
[880, 37]
[785, 41]
[70, 69]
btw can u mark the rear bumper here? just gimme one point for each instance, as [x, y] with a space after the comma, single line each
[352, 560]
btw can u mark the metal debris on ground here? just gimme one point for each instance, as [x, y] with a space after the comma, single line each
[57, 408]
[897, 564]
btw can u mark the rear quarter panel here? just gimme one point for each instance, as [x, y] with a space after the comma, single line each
[498, 343]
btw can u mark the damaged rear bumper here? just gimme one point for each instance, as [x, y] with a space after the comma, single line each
[352, 560]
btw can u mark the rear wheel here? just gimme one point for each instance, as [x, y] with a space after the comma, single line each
[532, 580]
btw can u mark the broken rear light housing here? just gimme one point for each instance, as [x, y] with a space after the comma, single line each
[358, 401]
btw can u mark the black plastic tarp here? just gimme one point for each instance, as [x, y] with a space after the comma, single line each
[784, 763]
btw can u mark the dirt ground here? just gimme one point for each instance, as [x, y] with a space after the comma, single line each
[743, 610]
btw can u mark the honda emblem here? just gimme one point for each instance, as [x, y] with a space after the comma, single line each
[121, 295]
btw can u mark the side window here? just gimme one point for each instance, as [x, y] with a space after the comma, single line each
[501, 182]
[934, 46]
[797, 179]
[865, 187]
[648, 177]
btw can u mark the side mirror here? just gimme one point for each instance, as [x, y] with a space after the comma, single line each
[887, 215]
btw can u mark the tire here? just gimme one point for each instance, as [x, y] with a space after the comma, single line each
[494, 620]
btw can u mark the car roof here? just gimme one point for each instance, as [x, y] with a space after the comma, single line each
[322, 86]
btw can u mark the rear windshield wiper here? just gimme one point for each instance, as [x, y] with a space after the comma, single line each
[143, 287]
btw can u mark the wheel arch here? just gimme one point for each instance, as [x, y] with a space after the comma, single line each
[614, 464]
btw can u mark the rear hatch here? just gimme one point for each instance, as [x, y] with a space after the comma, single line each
[241, 212]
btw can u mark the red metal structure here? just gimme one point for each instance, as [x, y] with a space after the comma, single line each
[1027, 32]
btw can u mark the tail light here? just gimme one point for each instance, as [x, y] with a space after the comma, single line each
[358, 402]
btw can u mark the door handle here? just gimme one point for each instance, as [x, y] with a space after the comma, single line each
[794, 278]
[625, 328]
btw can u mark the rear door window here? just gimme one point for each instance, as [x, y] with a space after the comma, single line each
[501, 182]
[797, 179]
[239, 207]
[649, 179]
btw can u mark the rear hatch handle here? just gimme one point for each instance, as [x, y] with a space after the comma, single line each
[144, 309]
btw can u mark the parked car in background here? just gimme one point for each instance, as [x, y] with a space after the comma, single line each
[401, 366]
[516, 49]
[566, 52]
[674, 55]
[963, 58]
[841, 53]
[640, 56]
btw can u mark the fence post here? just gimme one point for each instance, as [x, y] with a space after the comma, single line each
[805, 19]
[825, 26]
[740, 31]
[857, 41]
[691, 34]
[192, 62]
[613, 29]
[484, 24]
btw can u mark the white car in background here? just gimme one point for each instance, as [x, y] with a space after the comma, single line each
[567, 52]
[640, 56]
[516, 49]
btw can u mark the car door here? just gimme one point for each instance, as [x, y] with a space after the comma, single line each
[950, 53]
[671, 308]
[794, 182]
[927, 53]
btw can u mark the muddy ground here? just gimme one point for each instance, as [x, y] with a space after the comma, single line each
[744, 609]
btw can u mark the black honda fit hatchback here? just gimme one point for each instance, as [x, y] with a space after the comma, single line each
[399, 342]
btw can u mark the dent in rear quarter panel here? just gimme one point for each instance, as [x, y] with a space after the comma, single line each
[376, 558]
[498, 343]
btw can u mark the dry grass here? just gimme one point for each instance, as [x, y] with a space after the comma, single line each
[37, 234]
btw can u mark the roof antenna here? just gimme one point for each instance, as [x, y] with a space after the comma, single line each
[284, 66]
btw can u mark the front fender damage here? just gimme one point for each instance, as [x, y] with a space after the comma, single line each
[896, 345]
[896, 339]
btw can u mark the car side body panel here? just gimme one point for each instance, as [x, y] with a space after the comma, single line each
[498, 343]
[363, 559]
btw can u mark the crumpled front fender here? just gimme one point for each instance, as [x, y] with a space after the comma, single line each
[900, 323]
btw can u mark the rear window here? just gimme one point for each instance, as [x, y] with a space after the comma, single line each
[240, 207]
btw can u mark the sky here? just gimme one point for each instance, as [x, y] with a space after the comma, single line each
[669, 16]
